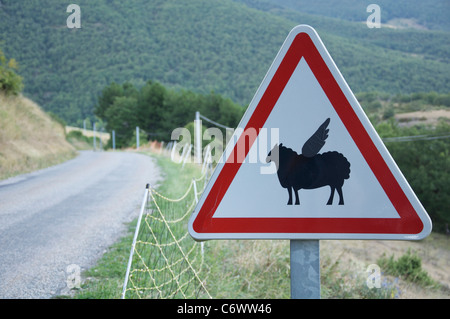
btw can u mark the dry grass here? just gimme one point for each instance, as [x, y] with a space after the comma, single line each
[260, 269]
[29, 138]
[248, 268]
[352, 257]
[90, 133]
[430, 117]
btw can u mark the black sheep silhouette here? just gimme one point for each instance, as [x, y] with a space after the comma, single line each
[311, 170]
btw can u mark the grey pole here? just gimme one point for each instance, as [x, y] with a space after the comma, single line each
[137, 137]
[305, 269]
[197, 139]
[114, 139]
[95, 142]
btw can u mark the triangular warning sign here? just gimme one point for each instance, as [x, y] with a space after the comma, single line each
[306, 163]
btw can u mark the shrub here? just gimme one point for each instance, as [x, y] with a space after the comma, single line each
[408, 266]
[10, 82]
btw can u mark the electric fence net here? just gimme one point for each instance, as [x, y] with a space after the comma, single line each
[165, 262]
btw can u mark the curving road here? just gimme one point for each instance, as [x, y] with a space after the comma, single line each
[61, 219]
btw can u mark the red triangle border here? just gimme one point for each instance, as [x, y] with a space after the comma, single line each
[409, 221]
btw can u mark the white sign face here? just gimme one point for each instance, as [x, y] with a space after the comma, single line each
[266, 198]
[314, 166]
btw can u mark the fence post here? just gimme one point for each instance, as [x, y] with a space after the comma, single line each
[202, 244]
[197, 138]
[172, 153]
[183, 154]
[207, 158]
[133, 245]
[187, 156]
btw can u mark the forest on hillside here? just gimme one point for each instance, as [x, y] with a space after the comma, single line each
[222, 46]
[425, 163]
[430, 14]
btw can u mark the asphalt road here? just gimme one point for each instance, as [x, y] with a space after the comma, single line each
[57, 221]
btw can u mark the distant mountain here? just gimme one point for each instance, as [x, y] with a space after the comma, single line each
[430, 14]
[202, 45]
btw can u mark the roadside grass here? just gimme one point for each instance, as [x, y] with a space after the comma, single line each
[246, 269]
[349, 282]
[80, 141]
[238, 269]
[105, 279]
[88, 134]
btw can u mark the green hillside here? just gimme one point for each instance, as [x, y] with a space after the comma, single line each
[222, 46]
[430, 14]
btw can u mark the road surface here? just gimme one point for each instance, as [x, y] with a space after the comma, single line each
[57, 221]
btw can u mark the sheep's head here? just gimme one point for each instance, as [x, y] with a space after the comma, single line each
[274, 154]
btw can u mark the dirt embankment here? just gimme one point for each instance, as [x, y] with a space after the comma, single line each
[29, 138]
[434, 252]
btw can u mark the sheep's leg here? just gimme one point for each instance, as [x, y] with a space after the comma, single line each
[289, 189]
[330, 200]
[297, 200]
[341, 197]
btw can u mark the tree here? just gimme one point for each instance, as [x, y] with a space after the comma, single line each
[158, 111]
[152, 115]
[425, 164]
[10, 82]
[110, 93]
[106, 99]
[122, 118]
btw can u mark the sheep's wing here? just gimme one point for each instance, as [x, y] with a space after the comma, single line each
[313, 145]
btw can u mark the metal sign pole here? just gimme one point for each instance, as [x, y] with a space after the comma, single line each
[197, 139]
[137, 137]
[95, 140]
[305, 269]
